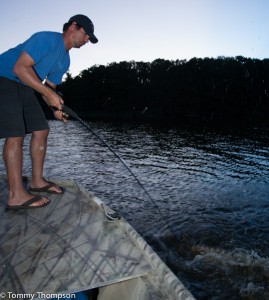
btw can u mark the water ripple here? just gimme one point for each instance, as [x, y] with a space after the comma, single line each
[207, 215]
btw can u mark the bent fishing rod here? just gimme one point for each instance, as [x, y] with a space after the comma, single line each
[66, 111]
[110, 213]
[69, 112]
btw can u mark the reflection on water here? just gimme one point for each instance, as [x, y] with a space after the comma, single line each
[211, 189]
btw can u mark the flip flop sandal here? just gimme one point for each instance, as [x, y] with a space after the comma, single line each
[27, 204]
[46, 189]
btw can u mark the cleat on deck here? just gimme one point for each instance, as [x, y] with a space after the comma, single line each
[110, 213]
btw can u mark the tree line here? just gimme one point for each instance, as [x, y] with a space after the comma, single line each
[208, 91]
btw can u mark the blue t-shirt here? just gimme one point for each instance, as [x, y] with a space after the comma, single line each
[48, 53]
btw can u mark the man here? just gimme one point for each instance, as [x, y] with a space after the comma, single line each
[44, 57]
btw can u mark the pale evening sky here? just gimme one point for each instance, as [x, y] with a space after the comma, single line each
[144, 30]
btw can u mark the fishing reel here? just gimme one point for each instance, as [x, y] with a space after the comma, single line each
[65, 114]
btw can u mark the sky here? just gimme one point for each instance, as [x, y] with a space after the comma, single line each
[145, 30]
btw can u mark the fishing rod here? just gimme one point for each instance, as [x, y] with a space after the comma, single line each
[111, 215]
[68, 111]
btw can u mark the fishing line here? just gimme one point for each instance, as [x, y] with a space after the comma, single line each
[110, 213]
[70, 112]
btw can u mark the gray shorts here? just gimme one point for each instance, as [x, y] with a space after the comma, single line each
[20, 111]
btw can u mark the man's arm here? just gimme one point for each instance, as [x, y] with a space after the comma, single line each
[23, 68]
[60, 115]
[52, 86]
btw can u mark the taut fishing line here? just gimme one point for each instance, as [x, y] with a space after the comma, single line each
[111, 214]
[70, 112]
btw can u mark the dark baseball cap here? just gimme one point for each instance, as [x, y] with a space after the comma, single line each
[87, 25]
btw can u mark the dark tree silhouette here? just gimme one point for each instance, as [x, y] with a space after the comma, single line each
[208, 91]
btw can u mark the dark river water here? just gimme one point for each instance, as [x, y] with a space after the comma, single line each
[202, 200]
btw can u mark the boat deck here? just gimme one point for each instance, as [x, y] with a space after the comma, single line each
[70, 246]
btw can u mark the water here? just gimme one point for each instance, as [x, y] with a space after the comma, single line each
[208, 211]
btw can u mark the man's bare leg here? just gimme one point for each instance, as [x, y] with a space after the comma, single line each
[13, 156]
[38, 147]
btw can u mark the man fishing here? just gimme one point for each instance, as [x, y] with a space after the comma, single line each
[44, 57]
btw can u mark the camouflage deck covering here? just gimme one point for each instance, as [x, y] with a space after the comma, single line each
[70, 246]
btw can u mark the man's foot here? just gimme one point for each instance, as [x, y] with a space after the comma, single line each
[35, 202]
[49, 187]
